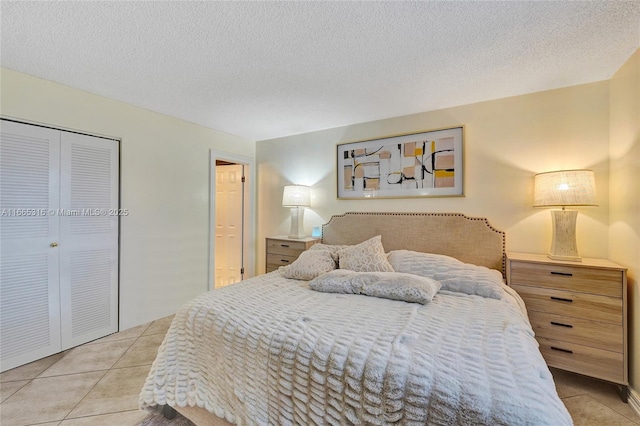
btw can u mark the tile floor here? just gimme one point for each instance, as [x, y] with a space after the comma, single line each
[94, 384]
[98, 383]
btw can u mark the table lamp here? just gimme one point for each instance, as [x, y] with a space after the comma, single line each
[297, 197]
[564, 188]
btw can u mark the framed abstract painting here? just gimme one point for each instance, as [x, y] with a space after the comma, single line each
[425, 164]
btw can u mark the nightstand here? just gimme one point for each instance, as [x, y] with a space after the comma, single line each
[283, 250]
[578, 311]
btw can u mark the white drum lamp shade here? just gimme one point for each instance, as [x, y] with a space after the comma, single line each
[297, 197]
[561, 189]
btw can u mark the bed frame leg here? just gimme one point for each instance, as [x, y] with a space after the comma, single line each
[169, 412]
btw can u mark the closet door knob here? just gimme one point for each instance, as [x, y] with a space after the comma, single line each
[53, 244]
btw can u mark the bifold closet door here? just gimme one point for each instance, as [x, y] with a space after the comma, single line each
[29, 265]
[88, 238]
[58, 241]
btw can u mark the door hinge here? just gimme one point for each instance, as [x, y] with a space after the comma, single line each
[241, 271]
[243, 179]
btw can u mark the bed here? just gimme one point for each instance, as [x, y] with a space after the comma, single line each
[438, 339]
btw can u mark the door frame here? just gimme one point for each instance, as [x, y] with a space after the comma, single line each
[248, 237]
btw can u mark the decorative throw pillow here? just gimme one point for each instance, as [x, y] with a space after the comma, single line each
[453, 274]
[368, 256]
[385, 285]
[310, 264]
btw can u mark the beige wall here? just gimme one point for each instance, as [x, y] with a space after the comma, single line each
[624, 197]
[165, 175]
[506, 142]
[164, 184]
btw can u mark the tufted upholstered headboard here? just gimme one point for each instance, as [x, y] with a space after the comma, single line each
[469, 239]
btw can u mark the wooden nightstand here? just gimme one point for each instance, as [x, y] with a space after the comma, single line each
[283, 250]
[578, 311]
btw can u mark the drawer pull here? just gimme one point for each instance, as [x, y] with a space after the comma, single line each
[561, 324]
[562, 350]
[284, 245]
[561, 299]
[284, 260]
[564, 274]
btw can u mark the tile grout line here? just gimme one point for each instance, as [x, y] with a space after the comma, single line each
[596, 397]
[136, 339]
[96, 415]
[17, 390]
[49, 377]
[85, 395]
[635, 420]
[105, 372]
[66, 417]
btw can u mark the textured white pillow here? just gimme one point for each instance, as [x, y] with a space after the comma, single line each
[368, 256]
[453, 274]
[386, 285]
[310, 264]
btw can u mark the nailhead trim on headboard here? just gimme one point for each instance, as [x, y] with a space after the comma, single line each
[477, 241]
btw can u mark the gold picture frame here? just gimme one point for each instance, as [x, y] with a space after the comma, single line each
[423, 164]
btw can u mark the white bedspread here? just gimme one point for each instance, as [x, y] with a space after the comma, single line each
[270, 351]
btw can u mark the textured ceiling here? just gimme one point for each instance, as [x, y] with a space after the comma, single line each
[267, 69]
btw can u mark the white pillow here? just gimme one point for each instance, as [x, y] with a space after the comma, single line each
[453, 274]
[368, 256]
[309, 265]
[386, 285]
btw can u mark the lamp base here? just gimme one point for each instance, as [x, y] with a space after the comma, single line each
[563, 244]
[297, 227]
[567, 258]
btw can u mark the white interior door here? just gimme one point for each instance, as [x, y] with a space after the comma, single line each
[229, 220]
[29, 265]
[88, 238]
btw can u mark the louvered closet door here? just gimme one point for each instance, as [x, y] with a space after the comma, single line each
[88, 238]
[29, 276]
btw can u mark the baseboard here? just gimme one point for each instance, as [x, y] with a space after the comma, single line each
[634, 400]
